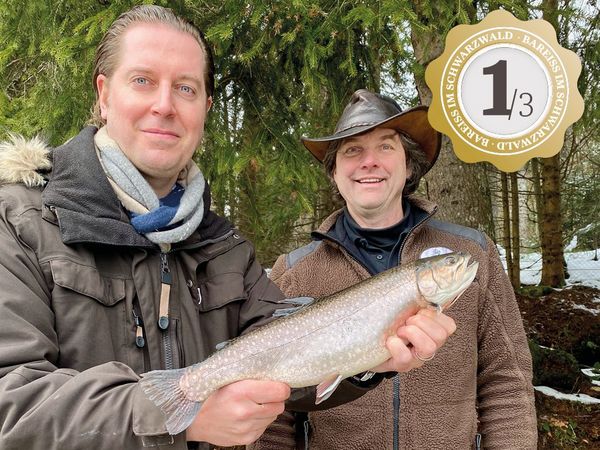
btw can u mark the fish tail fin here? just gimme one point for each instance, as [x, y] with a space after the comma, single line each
[162, 387]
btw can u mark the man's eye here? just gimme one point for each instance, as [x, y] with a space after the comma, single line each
[186, 89]
[140, 80]
[351, 151]
[387, 147]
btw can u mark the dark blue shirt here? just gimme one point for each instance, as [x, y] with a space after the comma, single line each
[376, 249]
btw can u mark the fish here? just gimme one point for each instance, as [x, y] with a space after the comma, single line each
[317, 343]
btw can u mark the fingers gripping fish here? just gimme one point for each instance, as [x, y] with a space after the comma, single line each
[320, 344]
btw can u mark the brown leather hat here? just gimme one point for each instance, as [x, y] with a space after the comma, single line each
[368, 110]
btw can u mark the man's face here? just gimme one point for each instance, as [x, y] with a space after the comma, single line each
[370, 173]
[155, 103]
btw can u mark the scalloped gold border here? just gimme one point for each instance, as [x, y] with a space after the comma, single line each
[471, 144]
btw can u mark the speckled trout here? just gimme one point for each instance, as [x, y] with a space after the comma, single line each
[319, 343]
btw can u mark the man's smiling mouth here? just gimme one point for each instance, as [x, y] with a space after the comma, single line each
[370, 180]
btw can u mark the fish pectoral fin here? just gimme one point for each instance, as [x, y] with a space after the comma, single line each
[327, 386]
[222, 345]
[300, 302]
[367, 375]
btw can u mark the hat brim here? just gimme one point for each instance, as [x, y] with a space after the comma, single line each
[413, 122]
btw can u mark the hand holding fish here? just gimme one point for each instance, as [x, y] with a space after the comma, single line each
[417, 341]
[239, 412]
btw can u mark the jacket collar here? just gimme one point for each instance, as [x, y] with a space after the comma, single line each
[426, 205]
[87, 209]
[320, 233]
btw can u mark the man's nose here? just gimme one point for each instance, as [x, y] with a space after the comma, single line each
[369, 158]
[163, 102]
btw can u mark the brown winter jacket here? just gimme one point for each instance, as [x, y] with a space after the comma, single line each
[483, 373]
[74, 276]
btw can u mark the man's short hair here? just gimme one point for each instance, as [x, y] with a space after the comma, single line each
[416, 161]
[107, 52]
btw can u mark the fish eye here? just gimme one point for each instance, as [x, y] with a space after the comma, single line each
[450, 260]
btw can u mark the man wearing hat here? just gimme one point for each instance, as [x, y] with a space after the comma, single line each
[476, 392]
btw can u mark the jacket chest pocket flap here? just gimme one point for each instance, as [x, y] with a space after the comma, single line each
[86, 280]
[220, 290]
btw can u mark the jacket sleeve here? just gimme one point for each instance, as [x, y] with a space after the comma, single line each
[44, 406]
[505, 392]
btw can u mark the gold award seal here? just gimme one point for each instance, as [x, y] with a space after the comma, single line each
[504, 91]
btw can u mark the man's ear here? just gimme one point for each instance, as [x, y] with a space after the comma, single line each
[209, 102]
[102, 86]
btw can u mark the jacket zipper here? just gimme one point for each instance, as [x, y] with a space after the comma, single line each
[396, 438]
[166, 280]
[140, 338]
[306, 429]
[140, 342]
[478, 441]
[396, 399]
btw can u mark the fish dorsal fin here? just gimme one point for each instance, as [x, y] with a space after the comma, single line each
[300, 302]
[327, 386]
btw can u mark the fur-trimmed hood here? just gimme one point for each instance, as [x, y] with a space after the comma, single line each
[22, 160]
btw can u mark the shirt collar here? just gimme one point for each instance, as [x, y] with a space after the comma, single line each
[384, 238]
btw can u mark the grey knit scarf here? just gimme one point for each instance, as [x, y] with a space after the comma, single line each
[137, 195]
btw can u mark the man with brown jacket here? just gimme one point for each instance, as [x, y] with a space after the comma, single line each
[112, 264]
[476, 392]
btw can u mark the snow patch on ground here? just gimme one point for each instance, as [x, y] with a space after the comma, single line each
[547, 348]
[585, 308]
[591, 373]
[581, 398]
[582, 267]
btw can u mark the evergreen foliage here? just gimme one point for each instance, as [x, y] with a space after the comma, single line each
[284, 69]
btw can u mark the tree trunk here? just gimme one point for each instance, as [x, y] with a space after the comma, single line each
[454, 185]
[537, 193]
[515, 275]
[551, 240]
[552, 244]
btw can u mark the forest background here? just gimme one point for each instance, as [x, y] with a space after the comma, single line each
[286, 69]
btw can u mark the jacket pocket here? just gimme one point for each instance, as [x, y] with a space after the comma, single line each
[220, 290]
[91, 319]
[222, 299]
[87, 281]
